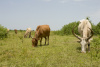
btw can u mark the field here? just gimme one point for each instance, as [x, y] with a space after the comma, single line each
[63, 51]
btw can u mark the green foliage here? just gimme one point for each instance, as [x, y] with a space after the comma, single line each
[96, 47]
[94, 28]
[21, 37]
[97, 28]
[67, 29]
[3, 32]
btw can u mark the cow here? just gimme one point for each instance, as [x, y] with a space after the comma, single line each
[7, 30]
[28, 32]
[86, 32]
[15, 31]
[41, 31]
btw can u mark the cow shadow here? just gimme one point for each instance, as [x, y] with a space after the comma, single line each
[78, 49]
[43, 45]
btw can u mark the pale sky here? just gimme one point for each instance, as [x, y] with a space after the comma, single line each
[21, 14]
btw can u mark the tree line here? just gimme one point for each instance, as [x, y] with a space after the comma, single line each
[67, 29]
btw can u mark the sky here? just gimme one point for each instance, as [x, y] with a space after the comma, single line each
[22, 14]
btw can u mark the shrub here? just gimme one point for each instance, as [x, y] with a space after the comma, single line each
[97, 28]
[67, 29]
[3, 32]
[96, 46]
[94, 28]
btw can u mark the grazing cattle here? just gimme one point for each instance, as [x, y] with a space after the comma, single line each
[34, 42]
[28, 32]
[15, 31]
[86, 33]
[41, 31]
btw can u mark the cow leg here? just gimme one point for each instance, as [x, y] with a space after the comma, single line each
[89, 47]
[29, 34]
[45, 40]
[26, 36]
[48, 40]
[40, 41]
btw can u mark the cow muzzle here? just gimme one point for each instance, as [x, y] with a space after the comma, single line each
[83, 51]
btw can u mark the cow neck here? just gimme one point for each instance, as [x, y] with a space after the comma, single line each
[85, 32]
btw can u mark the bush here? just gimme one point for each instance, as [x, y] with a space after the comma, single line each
[67, 29]
[3, 32]
[94, 28]
[97, 29]
[96, 46]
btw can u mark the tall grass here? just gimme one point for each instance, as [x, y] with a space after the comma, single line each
[63, 51]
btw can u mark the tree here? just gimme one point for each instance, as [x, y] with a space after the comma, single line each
[3, 32]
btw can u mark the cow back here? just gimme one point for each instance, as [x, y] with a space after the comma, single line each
[43, 31]
[83, 28]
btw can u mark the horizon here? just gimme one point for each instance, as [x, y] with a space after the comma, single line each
[22, 14]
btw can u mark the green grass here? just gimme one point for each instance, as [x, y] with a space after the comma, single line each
[63, 51]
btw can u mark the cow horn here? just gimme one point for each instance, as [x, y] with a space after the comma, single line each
[75, 34]
[92, 33]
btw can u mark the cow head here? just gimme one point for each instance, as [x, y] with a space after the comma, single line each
[83, 41]
[24, 36]
[34, 42]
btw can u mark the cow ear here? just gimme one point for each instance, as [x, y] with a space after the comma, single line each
[36, 39]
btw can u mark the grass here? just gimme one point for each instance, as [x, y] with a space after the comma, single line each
[63, 51]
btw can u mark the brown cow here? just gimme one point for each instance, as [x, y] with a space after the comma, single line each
[15, 31]
[34, 42]
[41, 31]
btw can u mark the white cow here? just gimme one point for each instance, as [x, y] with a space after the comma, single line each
[7, 30]
[85, 31]
[28, 32]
